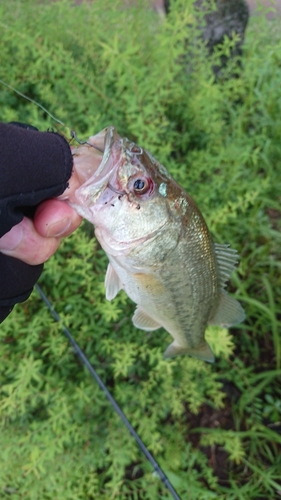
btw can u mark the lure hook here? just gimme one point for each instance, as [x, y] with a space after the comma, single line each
[115, 190]
[74, 136]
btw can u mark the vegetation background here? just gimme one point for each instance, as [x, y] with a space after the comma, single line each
[215, 430]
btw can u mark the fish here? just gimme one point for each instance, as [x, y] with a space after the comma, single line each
[160, 250]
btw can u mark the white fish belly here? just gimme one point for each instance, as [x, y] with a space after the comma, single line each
[169, 297]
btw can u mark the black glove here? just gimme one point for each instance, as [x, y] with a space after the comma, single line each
[34, 166]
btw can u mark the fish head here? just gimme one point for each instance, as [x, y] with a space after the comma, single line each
[129, 198]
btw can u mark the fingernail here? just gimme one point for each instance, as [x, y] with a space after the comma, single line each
[11, 239]
[59, 228]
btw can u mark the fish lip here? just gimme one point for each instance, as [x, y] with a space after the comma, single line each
[87, 194]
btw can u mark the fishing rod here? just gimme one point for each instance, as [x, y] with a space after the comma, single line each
[116, 407]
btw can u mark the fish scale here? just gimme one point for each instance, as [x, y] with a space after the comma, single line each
[193, 304]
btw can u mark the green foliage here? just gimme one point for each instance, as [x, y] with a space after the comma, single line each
[99, 63]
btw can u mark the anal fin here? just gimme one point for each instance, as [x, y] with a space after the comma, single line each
[143, 321]
[202, 352]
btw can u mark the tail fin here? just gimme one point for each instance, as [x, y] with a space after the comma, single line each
[203, 352]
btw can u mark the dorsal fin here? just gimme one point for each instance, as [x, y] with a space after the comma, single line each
[227, 259]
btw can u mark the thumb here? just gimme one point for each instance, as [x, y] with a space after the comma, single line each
[24, 243]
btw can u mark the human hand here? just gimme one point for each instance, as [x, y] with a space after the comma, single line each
[34, 241]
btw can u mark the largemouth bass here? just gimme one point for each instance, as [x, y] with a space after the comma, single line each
[159, 247]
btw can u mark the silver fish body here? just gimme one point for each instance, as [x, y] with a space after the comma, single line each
[159, 247]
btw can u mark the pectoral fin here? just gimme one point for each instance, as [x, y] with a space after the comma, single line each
[143, 321]
[203, 352]
[229, 312]
[112, 283]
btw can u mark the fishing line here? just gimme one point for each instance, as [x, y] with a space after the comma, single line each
[34, 102]
[72, 132]
[118, 410]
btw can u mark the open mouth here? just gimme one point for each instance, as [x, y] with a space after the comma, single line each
[95, 162]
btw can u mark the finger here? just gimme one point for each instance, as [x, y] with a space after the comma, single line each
[24, 243]
[54, 218]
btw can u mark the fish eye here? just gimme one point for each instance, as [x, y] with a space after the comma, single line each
[141, 186]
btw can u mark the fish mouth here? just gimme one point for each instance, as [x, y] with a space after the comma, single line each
[95, 163]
